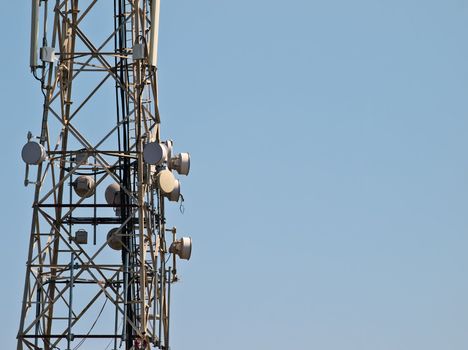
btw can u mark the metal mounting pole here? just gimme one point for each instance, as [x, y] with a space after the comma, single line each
[70, 301]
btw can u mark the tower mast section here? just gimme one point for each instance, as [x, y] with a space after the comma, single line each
[98, 268]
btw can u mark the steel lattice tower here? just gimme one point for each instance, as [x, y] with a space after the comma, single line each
[99, 245]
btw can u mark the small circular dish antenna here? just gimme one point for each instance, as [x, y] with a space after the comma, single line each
[181, 163]
[33, 153]
[84, 186]
[112, 194]
[114, 239]
[166, 181]
[182, 247]
[155, 153]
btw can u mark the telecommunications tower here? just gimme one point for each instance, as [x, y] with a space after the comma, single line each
[102, 256]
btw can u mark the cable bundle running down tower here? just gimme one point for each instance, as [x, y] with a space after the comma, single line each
[101, 258]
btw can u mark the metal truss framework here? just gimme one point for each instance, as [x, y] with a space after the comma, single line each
[136, 282]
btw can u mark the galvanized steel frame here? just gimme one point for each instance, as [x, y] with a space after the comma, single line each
[135, 289]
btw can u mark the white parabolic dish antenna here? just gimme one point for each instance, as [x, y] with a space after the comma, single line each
[182, 247]
[114, 239]
[112, 194]
[166, 181]
[154, 153]
[33, 153]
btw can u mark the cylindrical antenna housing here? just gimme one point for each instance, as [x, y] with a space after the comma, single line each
[34, 33]
[154, 34]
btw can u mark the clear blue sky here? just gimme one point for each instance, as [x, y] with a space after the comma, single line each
[328, 195]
